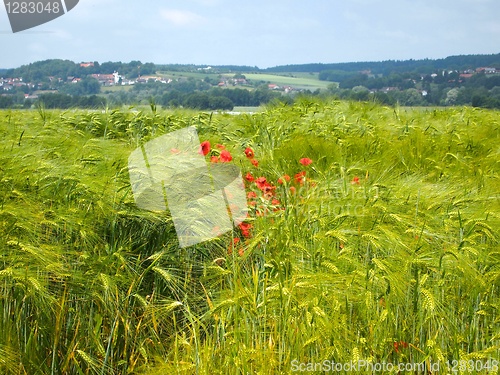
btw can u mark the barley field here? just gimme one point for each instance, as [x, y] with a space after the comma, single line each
[373, 237]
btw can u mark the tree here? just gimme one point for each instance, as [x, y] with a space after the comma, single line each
[357, 80]
[198, 100]
[56, 100]
[87, 86]
[220, 102]
[6, 101]
[479, 100]
[452, 96]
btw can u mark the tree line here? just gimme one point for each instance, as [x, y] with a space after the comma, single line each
[447, 88]
[192, 93]
[410, 83]
[461, 62]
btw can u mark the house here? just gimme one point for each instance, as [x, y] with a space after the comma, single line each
[466, 75]
[87, 64]
[387, 89]
[105, 79]
[116, 77]
[239, 81]
[486, 70]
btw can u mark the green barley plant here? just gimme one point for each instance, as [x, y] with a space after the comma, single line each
[384, 249]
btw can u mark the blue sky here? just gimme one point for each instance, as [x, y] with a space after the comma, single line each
[259, 33]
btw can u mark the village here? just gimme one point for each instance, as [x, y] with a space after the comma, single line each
[15, 90]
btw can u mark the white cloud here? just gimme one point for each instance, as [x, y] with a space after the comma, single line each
[181, 17]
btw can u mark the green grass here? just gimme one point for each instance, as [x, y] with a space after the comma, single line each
[108, 89]
[393, 238]
[295, 80]
[176, 75]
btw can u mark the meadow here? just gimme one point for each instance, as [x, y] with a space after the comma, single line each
[373, 236]
[301, 81]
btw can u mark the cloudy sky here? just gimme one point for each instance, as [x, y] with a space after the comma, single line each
[259, 33]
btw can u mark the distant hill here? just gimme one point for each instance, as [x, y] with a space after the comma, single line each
[64, 68]
[462, 62]
[454, 80]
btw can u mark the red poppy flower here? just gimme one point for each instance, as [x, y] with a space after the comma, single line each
[245, 229]
[282, 180]
[241, 252]
[249, 177]
[396, 346]
[251, 195]
[261, 182]
[268, 189]
[214, 159]
[255, 162]
[300, 177]
[249, 153]
[275, 202]
[204, 148]
[305, 161]
[225, 156]
[245, 226]
[220, 147]
[293, 190]
[355, 180]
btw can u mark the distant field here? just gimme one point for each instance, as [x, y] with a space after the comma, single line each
[116, 88]
[308, 81]
[175, 75]
[301, 81]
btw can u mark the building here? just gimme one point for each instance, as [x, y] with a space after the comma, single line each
[486, 70]
[105, 79]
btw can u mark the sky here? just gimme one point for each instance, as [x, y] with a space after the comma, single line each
[261, 33]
